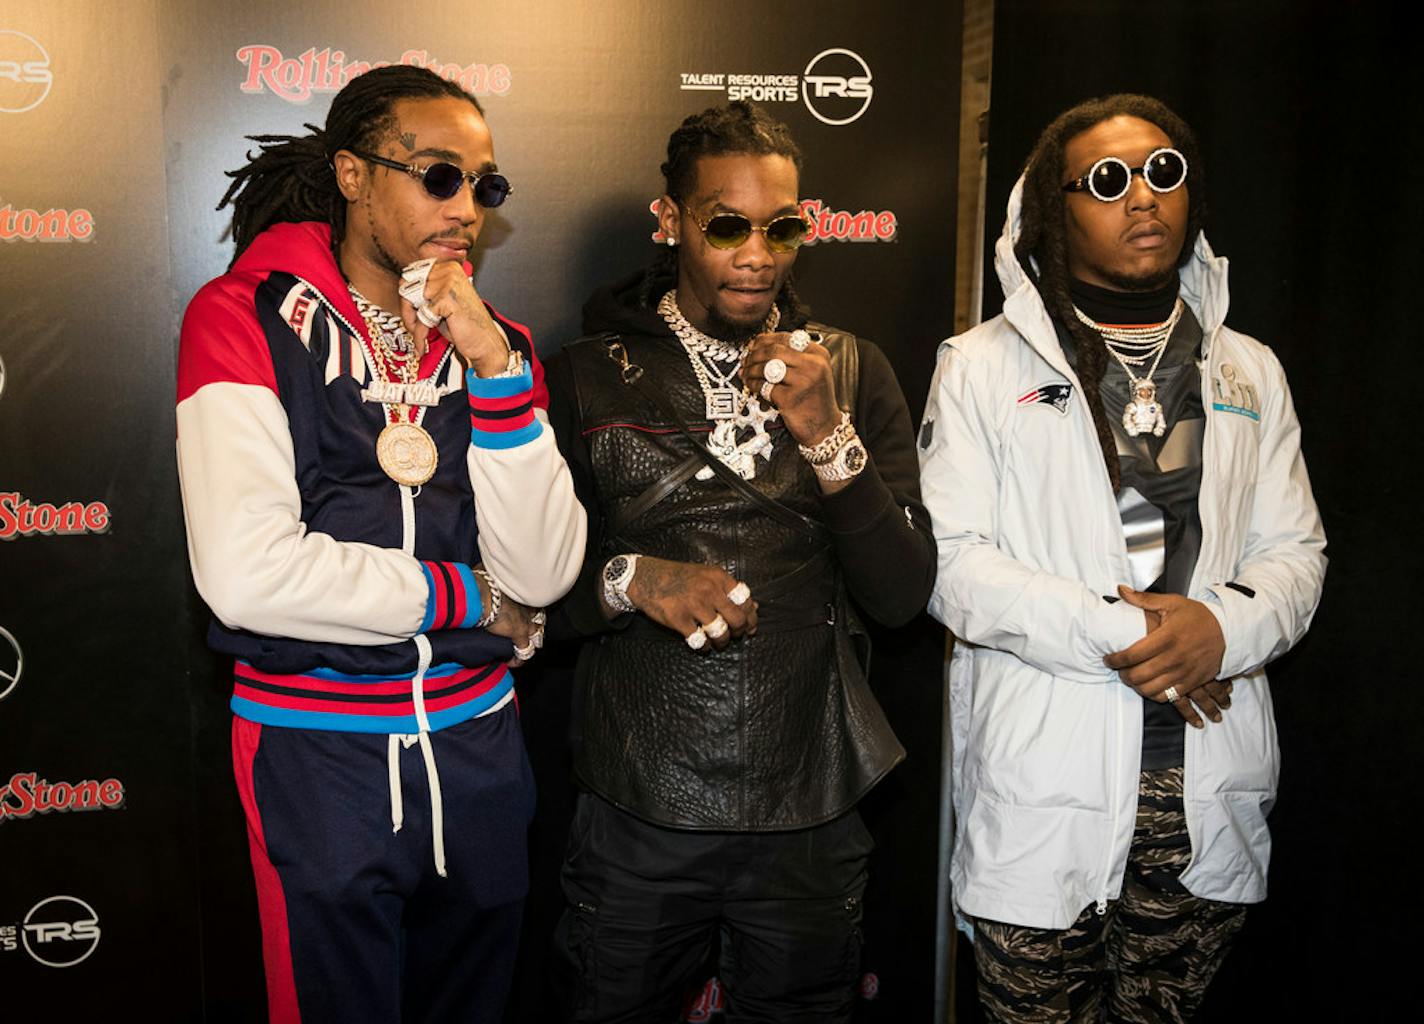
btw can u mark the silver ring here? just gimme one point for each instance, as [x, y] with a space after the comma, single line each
[716, 629]
[428, 317]
[765, 391]
[799, 340]
[526, 653]
[1171, 694]
[774, 371]
[539, 618]
[536, 638]
[738, 595]
[697, 639]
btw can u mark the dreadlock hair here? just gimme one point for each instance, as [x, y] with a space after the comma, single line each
[293, 178]
[1043, 231]
[735, 128]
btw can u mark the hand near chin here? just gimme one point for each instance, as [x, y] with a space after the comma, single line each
[452, 302]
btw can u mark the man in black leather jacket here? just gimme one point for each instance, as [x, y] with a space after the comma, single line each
[751, 479]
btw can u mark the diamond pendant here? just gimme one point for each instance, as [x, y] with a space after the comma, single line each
[721, 403]
[1143, 413]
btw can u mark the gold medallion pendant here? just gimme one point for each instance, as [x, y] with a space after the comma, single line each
[407, 453]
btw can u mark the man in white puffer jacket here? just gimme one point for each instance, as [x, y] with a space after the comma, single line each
[1126, 535]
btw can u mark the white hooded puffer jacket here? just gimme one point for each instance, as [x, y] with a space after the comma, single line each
[1047, 740]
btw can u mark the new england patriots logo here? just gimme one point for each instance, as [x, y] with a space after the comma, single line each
[1055, 394]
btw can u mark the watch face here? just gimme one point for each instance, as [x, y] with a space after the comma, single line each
[615, 568]
[855, 458]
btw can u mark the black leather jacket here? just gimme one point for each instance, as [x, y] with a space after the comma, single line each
[778, 730]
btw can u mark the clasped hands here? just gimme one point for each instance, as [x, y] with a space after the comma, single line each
[1181, 653]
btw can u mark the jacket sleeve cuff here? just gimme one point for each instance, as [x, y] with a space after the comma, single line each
[502, 410]
[1119, 626]
[859, 504]
[1235, 613]
[453, 601]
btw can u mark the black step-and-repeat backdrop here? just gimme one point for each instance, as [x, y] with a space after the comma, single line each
[1290, 99]
[126, 889]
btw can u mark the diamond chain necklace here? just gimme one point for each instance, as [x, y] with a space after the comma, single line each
[728, 405]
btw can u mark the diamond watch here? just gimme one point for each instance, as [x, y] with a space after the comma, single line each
[847, 462]
[617, 574]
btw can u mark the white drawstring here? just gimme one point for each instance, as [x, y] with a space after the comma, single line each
[437, 806]
[393, 772]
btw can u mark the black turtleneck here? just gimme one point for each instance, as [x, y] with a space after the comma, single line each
[1110, 307]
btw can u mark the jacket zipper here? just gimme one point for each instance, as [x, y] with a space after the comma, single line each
[407, 496]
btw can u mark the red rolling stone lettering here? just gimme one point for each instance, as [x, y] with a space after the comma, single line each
[26, 794]
[53, 225]
[19, 517]
[295, 79]
[844, 226]
[827, 225]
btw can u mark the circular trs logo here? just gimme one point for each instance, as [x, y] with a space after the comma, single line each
[836, 86]
[12, 662]
[24, 72]
[61, 931]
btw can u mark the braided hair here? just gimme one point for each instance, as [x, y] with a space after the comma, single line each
[735, 128]
[1043, 231]
[292, 178]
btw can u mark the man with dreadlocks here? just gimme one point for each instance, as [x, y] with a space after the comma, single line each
[1126, 537]
[749, 476]
[374, 506]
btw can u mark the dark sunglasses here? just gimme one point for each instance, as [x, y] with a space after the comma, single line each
[443, 180]
[730, 230]
[1110, 178]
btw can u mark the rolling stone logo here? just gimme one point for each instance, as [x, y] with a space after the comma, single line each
[19, 517]
[26, 794]
[60, 931]
[25, 76]
[835, 86]
[295, 79]
[24, 225]
[827, 225]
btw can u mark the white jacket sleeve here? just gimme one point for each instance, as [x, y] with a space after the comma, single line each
[532, 527]
[1283, 561]
[253, 560]
[1055, 624]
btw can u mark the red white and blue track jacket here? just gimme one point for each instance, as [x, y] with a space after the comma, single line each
[347, 599]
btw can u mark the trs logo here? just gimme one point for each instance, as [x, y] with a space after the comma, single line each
[61, 931]
[836, 86]
[25, 78]
[12, 662]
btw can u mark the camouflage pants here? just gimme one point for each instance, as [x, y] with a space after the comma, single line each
[1149, 958]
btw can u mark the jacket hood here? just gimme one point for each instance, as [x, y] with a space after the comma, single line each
[302, 250]
[614, 307]
[1203, 281]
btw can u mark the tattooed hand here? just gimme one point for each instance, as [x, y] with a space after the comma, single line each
[684, 595]
[451, 296]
